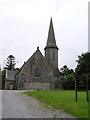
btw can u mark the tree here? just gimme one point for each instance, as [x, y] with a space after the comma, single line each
[67, 78]
[83, 65]
[10, 62]
[65, 71]
[3, 77]
[0, 79]
[68, 83]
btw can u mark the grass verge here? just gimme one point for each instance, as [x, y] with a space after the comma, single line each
[64, 100]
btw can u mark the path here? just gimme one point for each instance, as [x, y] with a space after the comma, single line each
[17, 105]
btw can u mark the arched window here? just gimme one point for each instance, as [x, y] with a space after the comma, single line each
[37, 72]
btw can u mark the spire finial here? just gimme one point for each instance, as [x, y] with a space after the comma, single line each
[38, 48]
[51, 18]
[51, 21]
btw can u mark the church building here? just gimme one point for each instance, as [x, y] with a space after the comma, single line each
[38, 72]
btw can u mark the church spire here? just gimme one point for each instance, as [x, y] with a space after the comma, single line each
[51, 42]
[51, 49]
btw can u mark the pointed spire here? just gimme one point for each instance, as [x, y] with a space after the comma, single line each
[51, 42]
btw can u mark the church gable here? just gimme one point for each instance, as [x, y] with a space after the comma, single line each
[36, 68]
[39, 66]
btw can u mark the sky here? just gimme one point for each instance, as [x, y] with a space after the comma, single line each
[24, 26]
[89, 26]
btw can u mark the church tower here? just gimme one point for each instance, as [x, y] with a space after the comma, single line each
[51, 49]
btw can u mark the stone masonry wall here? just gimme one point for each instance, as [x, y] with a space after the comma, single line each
[7, 85]
[25, 79]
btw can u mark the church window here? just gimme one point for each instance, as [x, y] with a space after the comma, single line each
[37, 72]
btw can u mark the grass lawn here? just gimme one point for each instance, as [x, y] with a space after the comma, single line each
[64, 100]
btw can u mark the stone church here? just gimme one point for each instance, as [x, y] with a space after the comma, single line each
[38, 72]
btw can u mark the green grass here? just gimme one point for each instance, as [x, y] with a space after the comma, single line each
[64, 100]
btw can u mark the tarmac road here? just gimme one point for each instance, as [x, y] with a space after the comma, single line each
[17, 105]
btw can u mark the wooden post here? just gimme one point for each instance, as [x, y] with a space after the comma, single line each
[87, 86]
[76, 88]
[81, 83]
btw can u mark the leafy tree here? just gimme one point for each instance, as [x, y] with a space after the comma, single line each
[17, 68]
[83, 65]
[10, 65]
[88, 80]
[3, 72]
[10, 62]
[65, 71]
[67, 78]
[68, 83]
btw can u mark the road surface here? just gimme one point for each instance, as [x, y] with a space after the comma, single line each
[17, 105]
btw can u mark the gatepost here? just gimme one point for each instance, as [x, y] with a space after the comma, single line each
[81, 84]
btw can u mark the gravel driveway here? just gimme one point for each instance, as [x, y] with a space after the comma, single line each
[17, 105]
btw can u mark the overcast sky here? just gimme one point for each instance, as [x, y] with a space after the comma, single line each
[24, 25]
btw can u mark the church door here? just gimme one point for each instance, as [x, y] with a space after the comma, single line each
[10, 86]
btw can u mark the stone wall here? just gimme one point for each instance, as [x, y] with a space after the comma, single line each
[39, 84]
[36, 74]
[7, 85]
[49, 56]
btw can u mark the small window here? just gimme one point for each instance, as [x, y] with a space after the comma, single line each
[53, 56]
[36, 73]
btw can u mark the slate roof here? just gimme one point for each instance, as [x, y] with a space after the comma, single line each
[51, 42]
